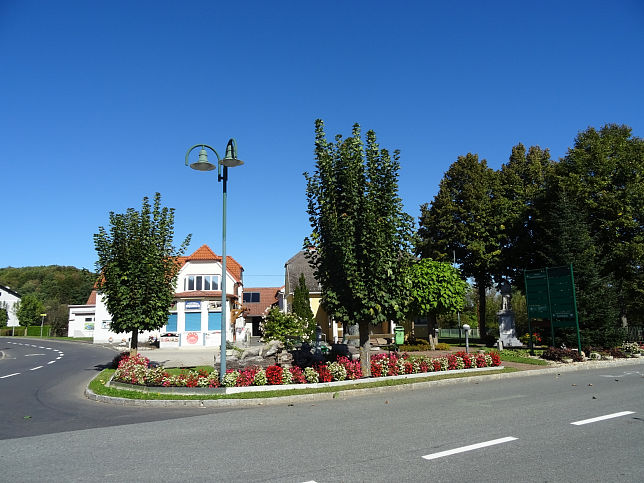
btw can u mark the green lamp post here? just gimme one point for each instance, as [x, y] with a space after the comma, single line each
[230, 160]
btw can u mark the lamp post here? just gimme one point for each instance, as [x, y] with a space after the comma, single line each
[230, 160]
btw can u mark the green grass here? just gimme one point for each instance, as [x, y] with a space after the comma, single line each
[98, 387]
[521, 356]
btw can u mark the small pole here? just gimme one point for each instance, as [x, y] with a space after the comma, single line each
[466, 327]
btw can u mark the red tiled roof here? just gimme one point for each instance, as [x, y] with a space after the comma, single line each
[92, 298]
[205, 253]
[267, 297]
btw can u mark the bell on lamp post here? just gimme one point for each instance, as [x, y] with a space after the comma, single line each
[230, 160]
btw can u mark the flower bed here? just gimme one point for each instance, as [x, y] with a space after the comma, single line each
[137, 371]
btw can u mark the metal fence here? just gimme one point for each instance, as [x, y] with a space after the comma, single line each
[474, 333]
[636, 333]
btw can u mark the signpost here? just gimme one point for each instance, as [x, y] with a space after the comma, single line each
[550, 294]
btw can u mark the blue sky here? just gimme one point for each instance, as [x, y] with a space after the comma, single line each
[99, 102]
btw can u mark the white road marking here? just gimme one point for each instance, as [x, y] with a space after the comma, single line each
[51, 362]
[35, 368]
[31, 355]
[471, 447]
[602, 418]
[58, 358]
[9, 375]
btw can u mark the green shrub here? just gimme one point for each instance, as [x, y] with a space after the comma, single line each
[277, 325]
[556, 354]
[442, 346]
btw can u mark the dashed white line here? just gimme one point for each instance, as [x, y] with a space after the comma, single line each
[9, 375]
[51, 362]
[602, 418]
[35, 368]
[60, 357]
[470, 447]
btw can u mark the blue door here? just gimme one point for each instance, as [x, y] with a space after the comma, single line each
[171, 326]
[214, 320]
[193, 322]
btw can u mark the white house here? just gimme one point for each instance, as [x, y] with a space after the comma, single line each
[195, 317]
[10, 298]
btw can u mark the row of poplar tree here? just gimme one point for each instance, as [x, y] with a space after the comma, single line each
[586, 209]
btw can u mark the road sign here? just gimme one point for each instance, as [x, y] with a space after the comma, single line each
[550, 294]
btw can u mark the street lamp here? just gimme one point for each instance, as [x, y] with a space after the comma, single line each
[230, 160]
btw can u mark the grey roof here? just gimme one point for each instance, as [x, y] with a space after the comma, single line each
[297, 265]
[8, 290]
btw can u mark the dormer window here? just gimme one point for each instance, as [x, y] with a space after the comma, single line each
[201, 282]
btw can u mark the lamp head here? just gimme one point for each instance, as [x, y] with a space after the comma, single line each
[230, 159]
[202, 163]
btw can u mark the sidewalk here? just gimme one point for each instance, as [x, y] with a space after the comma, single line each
[203, 356]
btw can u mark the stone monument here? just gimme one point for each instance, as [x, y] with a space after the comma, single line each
[507, 330]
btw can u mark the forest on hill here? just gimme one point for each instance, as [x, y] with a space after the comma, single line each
[54, 285]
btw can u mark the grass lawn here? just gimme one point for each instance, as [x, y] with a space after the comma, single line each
[521, 356]
[98, 387]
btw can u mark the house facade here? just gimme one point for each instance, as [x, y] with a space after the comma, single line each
[195, 318]
[257, 301]
[8, 299]
[294, 267]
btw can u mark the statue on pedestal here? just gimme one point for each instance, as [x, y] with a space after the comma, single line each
[507, 330]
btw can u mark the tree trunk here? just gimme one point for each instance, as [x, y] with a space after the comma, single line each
[482, 301]
[134, 343]
[365, 348]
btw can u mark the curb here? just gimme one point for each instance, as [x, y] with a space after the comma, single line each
[304, 398]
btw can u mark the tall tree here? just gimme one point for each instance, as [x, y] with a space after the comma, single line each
[436, 288]
[137, 265]
[566, 239]
[29, 310]
[466, 218]
[604, 171]
[360, 232]
[523, 182]
[302, 305]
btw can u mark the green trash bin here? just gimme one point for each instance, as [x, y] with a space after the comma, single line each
[399, 335]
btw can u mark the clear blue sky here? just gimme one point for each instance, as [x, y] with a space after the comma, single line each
[100, 100]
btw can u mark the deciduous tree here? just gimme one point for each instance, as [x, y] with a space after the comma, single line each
[137, 263]
[466, 218]
[360, 232]
[28, 310]
[436, 288]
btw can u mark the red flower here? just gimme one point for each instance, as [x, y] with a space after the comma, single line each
[274, 375]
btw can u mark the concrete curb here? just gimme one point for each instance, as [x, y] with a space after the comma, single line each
[306, 398]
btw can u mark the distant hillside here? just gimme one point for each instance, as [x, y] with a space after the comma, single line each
[56, 286]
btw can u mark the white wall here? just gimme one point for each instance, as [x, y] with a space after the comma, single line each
[10, 299]
[81, 321]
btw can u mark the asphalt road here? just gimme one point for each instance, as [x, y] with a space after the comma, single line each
[42, 384]
[518, 429]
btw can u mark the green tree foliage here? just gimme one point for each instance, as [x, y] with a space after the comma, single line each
[4, 314]
[360, 232]
[523, 183]
[277, 325]
[466, 218]
[302, 305]
[436, 288]
[138, 268]
[566, 238]
[604, 172]
[55, 285]
[29, 310]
